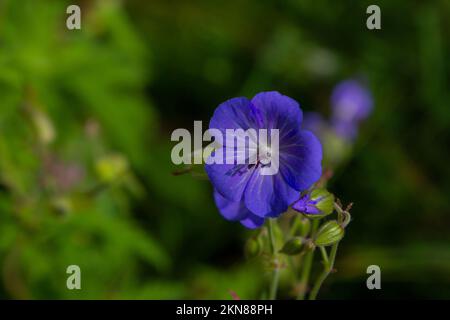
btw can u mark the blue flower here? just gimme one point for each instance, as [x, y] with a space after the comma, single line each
[351, 103]
[242, 193]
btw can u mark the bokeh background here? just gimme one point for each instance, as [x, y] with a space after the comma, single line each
[85, 123]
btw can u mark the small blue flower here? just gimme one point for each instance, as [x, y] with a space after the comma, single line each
[242, 193]
[351, 103]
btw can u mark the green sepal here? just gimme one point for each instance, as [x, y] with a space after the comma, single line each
[330, 233]
[325, 203]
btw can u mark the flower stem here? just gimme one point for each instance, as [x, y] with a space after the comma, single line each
[328, 267]
[275, 274]
[306, 270]
[324, 255]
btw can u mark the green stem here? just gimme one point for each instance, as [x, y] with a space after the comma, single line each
[275, 274]
[305, 275]
[292, 264]
[324, 255]
[328, 267]
[307, 264]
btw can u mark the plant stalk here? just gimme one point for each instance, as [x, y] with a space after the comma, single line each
[306, 270]
[275, 273]
[328, 267]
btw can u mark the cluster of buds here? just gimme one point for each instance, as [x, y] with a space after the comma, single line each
[318, 221]
[313, 206]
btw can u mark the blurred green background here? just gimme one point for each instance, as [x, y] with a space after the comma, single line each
[85, 123]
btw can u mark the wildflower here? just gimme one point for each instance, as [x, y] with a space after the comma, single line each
[242, 193]
[351, 103]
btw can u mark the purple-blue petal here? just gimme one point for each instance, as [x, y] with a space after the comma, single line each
[279, 112]
[268, 195]
[237, 211]
[252, 222]
[305, 205]
[236, 113]
[301, 160]
[228, 179]
[233, 211]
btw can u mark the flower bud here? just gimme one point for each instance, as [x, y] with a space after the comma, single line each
[330, 233]
[253, 247]
[301, 226]
[292, 246]
[315, 204]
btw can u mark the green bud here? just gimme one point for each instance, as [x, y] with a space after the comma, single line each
[292, 246]
[253, 247]
[315, 204]
[325, 200]
[330, 233]
[301, 226]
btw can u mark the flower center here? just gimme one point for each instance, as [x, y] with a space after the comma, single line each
[263, 159]
[264, 155]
